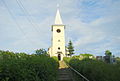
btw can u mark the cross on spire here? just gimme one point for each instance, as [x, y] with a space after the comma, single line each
[58, 5]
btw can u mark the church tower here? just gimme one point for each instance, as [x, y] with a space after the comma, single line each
[58, 38]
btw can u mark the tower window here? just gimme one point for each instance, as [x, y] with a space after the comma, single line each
[58, 40]
[58, 30]
[59, 48]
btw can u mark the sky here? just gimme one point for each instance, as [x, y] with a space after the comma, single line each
[92, 25]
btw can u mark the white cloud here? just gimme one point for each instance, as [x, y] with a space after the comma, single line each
[94, 36]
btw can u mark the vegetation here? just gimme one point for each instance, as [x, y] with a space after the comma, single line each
[108, 56]
[108, 53]
[24, 67]
[118, 60]
[70, 48]
[41, 51]
[86, 55]
[95, 70]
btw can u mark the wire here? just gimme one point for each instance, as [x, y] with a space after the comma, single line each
[28, 16]
[14, 19]
[12, 16]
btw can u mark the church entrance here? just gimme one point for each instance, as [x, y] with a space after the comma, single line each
[59, 57]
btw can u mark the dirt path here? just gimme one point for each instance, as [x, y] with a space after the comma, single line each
[62, 65]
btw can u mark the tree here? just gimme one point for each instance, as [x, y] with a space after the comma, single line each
[108, 56]
[108, 53]
[40, 51]
[70, 48]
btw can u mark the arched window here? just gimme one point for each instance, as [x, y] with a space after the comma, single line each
[58, 40]
[59, 48]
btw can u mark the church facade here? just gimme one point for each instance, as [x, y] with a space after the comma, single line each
[58, 38]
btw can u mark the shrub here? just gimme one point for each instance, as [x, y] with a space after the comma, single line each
[96, 70]
[23, 67]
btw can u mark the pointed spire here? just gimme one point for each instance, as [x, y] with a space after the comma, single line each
[58, 19]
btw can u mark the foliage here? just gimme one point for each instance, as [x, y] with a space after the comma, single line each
[40, 51]
[23, 67]
[55, 58]
[118, 59]
[70, 48]
[96, 70]
[86, 55]
[76, 56]
[67, 59]
[108, 56]
[108, 53]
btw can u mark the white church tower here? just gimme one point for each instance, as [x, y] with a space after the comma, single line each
[58, 38]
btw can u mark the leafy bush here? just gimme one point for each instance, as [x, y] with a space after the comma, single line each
[23, 67]
[96, 70]
[55, 58]
[67, 59]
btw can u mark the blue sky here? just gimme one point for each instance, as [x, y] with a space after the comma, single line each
[92, 25]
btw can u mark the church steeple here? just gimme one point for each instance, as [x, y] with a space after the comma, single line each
[58, 19]
[58, 38]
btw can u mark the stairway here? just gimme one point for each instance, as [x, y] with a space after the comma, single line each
[63, 72]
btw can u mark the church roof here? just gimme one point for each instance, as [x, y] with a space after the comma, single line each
[58, 19]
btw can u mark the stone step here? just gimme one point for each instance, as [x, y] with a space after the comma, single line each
[64, 76]
[64, 79]
[64, 73]
[63, 70]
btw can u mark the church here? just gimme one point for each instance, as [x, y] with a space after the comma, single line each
[58, 38]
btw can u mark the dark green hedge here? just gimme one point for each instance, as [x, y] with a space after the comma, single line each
[23, 67]
[96, 70]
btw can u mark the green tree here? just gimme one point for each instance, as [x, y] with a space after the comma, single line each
[70, 48]
[41, 51]
[108, 53]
